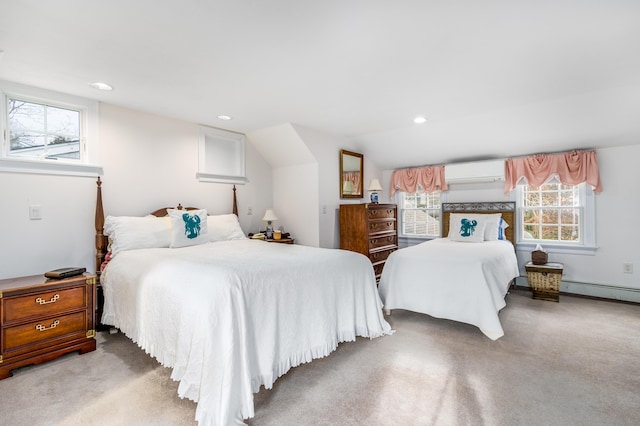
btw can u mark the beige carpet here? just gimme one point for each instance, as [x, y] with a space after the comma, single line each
[576, 362]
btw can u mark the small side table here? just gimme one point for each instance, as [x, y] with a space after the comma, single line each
[282, 241]
[544, 280]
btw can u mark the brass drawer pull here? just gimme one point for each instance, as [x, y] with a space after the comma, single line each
[54, 299]
[41, 327]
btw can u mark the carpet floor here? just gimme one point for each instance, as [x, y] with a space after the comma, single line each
[576, 362]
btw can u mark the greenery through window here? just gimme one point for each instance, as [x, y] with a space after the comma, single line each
[41, 131]
[553, 212]
[420, 214]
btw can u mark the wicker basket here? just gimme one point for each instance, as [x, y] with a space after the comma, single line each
[545, 281]
[538, 257]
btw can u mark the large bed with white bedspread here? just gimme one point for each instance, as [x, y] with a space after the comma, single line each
[456, 280]
[233, 315]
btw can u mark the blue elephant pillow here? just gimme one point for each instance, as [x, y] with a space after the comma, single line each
[466, 228]
[188, 227]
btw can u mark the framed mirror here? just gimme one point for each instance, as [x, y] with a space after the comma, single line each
[351, 174]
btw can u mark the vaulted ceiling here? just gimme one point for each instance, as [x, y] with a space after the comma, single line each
[493, 78]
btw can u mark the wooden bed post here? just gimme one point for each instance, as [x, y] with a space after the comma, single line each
[99, 224]
[235, 201]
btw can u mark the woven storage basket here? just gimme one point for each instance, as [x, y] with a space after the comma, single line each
[544, 282]
[538, 257]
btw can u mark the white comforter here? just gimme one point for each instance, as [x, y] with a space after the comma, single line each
[461, 281]
[231, 316]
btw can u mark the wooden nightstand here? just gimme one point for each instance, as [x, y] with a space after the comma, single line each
[41, 319]
[544, 280]
[282, 241]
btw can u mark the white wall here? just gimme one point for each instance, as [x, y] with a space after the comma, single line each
[616, 236]
[148, 161]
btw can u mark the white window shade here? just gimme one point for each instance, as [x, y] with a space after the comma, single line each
[477, 171]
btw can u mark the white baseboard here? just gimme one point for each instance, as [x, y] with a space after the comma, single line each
[593, 290]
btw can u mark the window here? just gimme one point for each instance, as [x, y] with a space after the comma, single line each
[47, 132]
[556, 215]
[41, 131]
[420, 214]
[221, 156]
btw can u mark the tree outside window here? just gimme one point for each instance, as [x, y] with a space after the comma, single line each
[552, 212]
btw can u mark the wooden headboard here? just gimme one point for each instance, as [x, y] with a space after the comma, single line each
[507, 208]
[101, 239]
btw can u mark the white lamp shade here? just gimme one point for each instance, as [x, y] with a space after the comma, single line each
[375, 185]
[269, 215]
[347, 187]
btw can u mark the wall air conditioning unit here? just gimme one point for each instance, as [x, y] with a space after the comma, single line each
[475, 172]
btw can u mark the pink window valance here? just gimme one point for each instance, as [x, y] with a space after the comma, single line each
[571, 168]
[429, 179]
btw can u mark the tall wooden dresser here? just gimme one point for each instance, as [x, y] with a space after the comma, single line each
[370, 229]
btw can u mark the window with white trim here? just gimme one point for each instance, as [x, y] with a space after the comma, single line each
[47, 132]
[420, 214]
[43, 131]
[556, 215]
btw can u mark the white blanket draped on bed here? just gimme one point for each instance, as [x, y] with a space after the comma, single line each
[461, 281]
[231, 316]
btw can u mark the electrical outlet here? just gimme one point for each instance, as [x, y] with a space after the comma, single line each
[627, 268]
[324, 209]
[249, 211]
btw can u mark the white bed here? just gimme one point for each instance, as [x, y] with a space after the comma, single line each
[460, 281]
[233, 315]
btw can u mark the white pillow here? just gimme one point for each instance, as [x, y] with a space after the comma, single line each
[188, 227]
[130, 233]
[224, 227]
[466, 229]
[492, 221]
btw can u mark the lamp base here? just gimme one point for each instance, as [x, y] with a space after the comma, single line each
[374, 198]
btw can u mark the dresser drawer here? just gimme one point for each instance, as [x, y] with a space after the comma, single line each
[379, 256]
[45, 303]
[377, 269]
[380, 213]
[382, 241]
[43, 330]
[377, 227]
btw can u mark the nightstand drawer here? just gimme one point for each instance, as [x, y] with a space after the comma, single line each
[44, 330]
[45, 303]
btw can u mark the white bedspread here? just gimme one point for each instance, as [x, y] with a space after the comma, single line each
[231, 316]
[461, 281]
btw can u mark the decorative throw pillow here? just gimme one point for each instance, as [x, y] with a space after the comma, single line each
[491, 221]
[188, 227]
[132, 232]
[466, 229]
[224, 227]
[503, 226]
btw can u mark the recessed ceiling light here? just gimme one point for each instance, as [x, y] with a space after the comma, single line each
[224, 117]
[101, 86]
[419, 120]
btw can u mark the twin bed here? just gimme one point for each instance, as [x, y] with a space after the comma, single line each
[463, 277]
[229, 314]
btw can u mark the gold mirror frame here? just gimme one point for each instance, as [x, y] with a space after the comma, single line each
[351, 174]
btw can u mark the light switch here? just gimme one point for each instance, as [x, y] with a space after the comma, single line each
[35, 212]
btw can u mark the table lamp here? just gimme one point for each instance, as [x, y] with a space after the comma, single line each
[374, 187]
[269, 216]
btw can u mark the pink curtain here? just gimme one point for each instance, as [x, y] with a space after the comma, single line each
[571, 168]
[429, 178]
